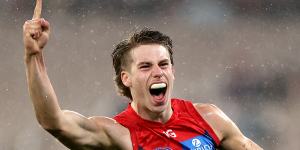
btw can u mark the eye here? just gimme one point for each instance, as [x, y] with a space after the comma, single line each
[164, 64]
[143, 67]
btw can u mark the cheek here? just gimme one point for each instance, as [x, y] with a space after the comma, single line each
[139, 80]
[171, 74]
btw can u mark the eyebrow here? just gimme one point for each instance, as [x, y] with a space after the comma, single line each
[149, 63]
[144, 63]
[164, 60]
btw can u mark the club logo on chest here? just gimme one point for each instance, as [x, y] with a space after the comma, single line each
[170, 133]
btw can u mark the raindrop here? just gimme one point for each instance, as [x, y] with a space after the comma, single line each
[228, 67]
[185, 89]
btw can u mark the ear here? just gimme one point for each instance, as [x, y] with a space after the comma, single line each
[125, 77]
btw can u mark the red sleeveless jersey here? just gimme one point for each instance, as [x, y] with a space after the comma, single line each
[185, 130]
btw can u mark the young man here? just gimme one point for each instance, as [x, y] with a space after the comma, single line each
[144, 74]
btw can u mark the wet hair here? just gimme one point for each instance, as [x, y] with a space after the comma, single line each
[122, 58]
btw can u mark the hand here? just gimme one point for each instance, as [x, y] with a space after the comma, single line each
[36, 32]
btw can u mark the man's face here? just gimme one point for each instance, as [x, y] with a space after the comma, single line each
[150, 77]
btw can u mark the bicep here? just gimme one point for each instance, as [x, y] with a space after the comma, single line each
[75, 130]
[239, 142]
[234, 139]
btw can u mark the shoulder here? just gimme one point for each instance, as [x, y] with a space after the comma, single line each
[109, 125]
[94, 121]
[77, 131]
[228, 133]
[210, 111]
[216, 118]
[97, 122]
[114, 130]
[103, 128]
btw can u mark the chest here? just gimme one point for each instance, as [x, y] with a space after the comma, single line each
[181, 134]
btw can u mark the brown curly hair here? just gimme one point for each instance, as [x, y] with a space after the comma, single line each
[122, 59]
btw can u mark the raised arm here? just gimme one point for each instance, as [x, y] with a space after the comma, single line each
[35, 35]
[229, 134]
[72, 129]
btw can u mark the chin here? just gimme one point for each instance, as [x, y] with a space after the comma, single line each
[160, 106]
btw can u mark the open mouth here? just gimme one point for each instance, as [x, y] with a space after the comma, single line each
[158, 90]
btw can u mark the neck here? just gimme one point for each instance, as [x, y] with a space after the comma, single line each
[151, 115]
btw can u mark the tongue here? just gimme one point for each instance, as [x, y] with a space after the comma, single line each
[159, 97]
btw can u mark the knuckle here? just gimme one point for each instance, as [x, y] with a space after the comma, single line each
[27, 22]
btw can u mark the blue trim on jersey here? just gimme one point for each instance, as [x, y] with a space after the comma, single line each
[202, 142]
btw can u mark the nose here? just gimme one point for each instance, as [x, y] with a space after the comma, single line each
[157, 72]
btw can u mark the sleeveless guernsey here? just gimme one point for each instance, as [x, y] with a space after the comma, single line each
[185, 130]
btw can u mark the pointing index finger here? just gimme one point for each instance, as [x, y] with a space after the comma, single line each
[37, 10]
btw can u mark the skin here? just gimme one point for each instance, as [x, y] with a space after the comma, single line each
[151, 64]
[79, 132]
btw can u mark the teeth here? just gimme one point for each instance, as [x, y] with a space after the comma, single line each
[158, 86]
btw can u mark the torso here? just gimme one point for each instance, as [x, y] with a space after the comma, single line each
[185, 130]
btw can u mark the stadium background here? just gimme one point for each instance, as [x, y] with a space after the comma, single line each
[241, 55]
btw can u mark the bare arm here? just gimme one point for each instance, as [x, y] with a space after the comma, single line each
[35, 35]
[72, 129]
[229, 134]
